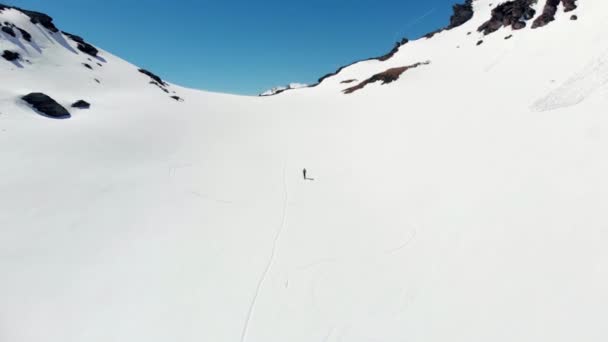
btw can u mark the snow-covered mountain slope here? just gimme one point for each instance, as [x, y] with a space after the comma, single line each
[465, 200]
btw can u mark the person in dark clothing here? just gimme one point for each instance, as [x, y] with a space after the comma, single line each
[304, 172]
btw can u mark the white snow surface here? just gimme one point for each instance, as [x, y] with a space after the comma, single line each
[464, 202]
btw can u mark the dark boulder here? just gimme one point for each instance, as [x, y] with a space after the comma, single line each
[9, 30]
[574, 17]
[10, 55]
[46, 106]
[177, 98]
[88, 66]
[81, 104]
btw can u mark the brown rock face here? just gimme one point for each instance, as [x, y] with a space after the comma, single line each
[386, 77]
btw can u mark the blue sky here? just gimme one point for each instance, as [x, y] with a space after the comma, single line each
[244, 46]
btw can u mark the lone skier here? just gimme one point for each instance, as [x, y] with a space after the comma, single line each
[305, 174]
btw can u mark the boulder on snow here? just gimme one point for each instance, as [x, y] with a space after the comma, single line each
[9, 30]
[10, 55]
[46, 106]
[81, 104]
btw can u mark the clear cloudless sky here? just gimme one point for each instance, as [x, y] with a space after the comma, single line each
[244, 46]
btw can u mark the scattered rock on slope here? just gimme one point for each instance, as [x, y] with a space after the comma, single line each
[46, 106]
[82, 45]
[385, 77]
[10, 55]
[154, 77]
[550, 10]
[81, 104]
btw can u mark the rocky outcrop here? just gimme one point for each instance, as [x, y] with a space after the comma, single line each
[10, 55]
[386, 77]
[511, 13]
[550, 10]
[83, 45]
[395, 49]
[81, 104]
[462, 14]
[46, 106]
[35, 17]
[153, 76]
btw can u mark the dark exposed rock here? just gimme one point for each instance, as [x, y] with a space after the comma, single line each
[509, 37]
[10, 55]
[35, 17]
[81, 104]
[83, 45]
[154, 77]
[87, 66]
[177, 98]
[40, 18]
[393, 51]
[26, 35]
[385, 77]
[569, 5]
[511, 13]
[46, 106]
[574, 17]
[9, 30]
[462, 14]
[348, 81]
[479, 42]
[550, 10]
[98, 81]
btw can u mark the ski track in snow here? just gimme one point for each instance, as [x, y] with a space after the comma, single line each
[271, 260]
[577, 88]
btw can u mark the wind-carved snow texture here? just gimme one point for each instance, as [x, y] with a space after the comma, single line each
[577, 88]
[271, 260]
